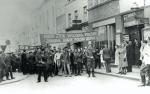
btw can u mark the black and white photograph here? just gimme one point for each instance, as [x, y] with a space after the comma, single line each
[74, 46]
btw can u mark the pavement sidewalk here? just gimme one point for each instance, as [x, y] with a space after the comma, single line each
[18, 77]
[134, 75]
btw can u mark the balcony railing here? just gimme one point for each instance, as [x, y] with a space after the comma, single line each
[77, 25]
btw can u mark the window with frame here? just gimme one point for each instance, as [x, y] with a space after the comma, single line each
[76, 15]
[69, 19]
[85, 10]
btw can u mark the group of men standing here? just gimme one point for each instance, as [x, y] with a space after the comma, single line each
[61, 62]
[6, 66]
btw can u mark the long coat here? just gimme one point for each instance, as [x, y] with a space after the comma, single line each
[122, 58]
[106, 54]
[117, 56]
[90, 59]
[130, 54]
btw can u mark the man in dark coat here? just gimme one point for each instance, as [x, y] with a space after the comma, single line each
[41, 66]
[97, 59]
[24, 62]
[72, 66]
[107, 58]
[31, 61]
[137, 53]
[130, 56]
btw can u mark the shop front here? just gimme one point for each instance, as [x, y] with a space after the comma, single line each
[106, 34]
[133, 25]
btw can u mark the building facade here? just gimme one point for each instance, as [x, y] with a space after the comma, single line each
[43, 20]
[77, 19]
[116, 21]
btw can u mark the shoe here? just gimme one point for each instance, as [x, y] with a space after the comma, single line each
[148, 84]
[12, 78]
[8, 79]
[46, 81]
[3, 80]
[118, 73]
[94, 76]
[142, 85]
[38, 81]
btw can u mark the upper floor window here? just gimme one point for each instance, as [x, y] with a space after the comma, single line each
[76, 14]
[85, 9]
[93, 3]
[69, 1]
[69, 19]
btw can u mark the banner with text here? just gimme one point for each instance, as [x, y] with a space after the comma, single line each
[67, 37]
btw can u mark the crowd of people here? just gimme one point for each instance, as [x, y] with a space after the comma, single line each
[58, 62]
[126, 55]
[50, 62]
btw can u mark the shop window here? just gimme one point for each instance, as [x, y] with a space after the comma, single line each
[106, 36]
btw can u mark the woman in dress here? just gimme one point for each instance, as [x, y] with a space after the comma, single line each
[117, 58]
[123, 59]
[101, 58]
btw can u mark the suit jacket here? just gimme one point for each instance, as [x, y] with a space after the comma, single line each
[106, 54]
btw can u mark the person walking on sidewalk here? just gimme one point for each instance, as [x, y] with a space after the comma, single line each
[123, 59]
[107, 58]
[145, 67]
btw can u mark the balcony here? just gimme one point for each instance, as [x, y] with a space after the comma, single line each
[76, 25]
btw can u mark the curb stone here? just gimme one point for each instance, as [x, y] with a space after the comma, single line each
[23, 78]
[125, 77]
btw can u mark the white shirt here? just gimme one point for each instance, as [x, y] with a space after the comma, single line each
[146, 53]
[57, 56]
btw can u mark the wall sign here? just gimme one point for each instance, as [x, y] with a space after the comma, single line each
[67, 37]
